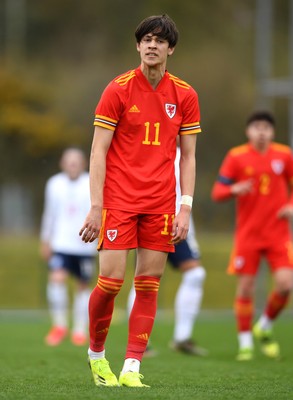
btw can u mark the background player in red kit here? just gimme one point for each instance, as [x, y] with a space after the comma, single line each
[259, 175]
[132, 183]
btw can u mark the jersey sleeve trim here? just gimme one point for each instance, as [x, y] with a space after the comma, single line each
[187, 129]
[105, 122]
[225, 180]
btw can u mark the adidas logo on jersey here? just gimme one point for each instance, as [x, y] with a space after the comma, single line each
[134, 109]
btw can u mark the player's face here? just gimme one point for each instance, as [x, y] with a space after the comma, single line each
[260, 134]
[154, 50]
[73, 164]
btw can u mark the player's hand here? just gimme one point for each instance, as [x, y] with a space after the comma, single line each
[242, 188]
[91, 227]
[45, 251]
[286, 211]
[181, 225]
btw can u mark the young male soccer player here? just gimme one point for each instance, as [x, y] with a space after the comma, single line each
[67, 199]
[132, 184]
[258, 174]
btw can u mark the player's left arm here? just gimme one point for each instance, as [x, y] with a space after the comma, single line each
[187, 184]
[287, 210]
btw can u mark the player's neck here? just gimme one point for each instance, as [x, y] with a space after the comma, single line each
[261, 147]
[153, 74]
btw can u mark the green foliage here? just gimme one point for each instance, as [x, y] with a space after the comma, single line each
[29, 128]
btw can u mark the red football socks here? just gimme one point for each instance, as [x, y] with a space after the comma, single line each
[142, 316]
[276, 303]
[243, 308]
[101, 306]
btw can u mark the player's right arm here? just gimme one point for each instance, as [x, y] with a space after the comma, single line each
[226, 185]
[47, 220]
[101, 142]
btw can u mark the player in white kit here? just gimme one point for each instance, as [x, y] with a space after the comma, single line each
[67, 200]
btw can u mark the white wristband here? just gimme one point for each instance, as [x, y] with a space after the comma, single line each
[186, 200]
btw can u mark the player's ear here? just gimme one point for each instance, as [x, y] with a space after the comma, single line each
[138, 47]
[171, 50]
[247, 133]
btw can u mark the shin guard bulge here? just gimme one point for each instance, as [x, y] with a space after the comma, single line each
[142, 316]
[276, 303]
[101, 306]
[243, 308]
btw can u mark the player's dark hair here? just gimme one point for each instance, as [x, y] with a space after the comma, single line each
[159, 25]
[261, 116]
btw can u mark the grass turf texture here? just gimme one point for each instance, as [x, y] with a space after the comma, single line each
[31, 370]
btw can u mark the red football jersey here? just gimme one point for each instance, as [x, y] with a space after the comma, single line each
[140, 162]
[257, 223]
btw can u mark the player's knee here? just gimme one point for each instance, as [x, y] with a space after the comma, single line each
[284, 283]
[58, 276]
[195, 276]
[285, 288]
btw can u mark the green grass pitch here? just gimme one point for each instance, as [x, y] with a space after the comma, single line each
[31, 370]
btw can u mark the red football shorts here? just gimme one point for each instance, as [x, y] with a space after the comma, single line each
[125, 230]
[246, 260]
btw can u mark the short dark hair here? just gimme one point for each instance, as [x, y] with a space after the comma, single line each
[261, 116]
[160, 25]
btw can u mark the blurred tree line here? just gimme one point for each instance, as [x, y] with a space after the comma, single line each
[52, 76]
